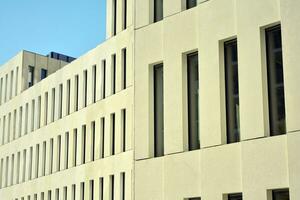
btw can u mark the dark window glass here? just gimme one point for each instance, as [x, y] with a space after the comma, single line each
[83, 139]
[44, 73]
[275, 81]
[195, 198]
[124, 14]
[158, 111]
[158, 10]
[237, 196]
[124, 65]
[85, 88]
[193, 101]
[113, 75]
[30, 76]
[191, 4]
[94, 83]
[114, 17]
[232, 92]
[103, 77]
[112, 134]
[281, 194]
[76, 92]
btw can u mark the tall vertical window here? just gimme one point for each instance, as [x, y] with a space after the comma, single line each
[18, 168]
[60, 101]
[237, 196]
[20, 121]
[51, 156]
[91, 190]
[158, 10]
[44, 159]
[73, 192]
[32, 114]
[123, 134]
[6, 86]
[39, 107]
[58, 158]
[82, 191]
[46, 109]
[44, 73]
[53, 105]
[84, 88]
[102, 133]
[65, 194]
[232, 92]
[275, 81]
[101, 188]
[193, 101]
[124, 17]
[111, 187]
[94, 83]
[37, 160]
[30, 76]
[17, 81]
[1, 90]
[112, 132]
[282, 194]
[103, 69]
[114, 17]
[93, 141]
[66, 150]
[24, 165]
[122, 186]
[191, 4]
[11, 84]
[83, 144]
[158, 110]
[68, 97]
[113, 74]
[30, 163]
[76, 93]
[124, 66]
[74, 147]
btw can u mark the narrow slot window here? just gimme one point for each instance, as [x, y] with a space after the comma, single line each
[65, 194]
[101, 191]
[111, 187]
[66, 150]
[76, 93]
[124, 25]
[74, 147]
[93, 141]
[38, 117]
[37, 160]
[83, 140]
[114, 17]
[20, 121]
[46, 109]
[112, 132]
[103, 79]
[124, 66]
[58, 153]
[123, 134]
[73, 192]
[51, 156]
[44, 159]
[158, 111]
[85, 88]
[113, 74]
[60, 101]
[102, 134]
[30, 76]
[158, 10]
[122, 186]
[53, 105]
[91, 189]
[32, 114]
[82, 191]
[68, 95]
[94, 83]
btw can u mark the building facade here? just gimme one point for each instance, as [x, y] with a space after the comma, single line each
[185, 100]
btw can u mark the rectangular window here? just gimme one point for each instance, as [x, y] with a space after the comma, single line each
[93, 141]
[123, 134]
[91, 189]
[17, 81]
[101, 191]
[65, 193]
[57, 194]
[113, 74]
[114, 17]
[20, 121]
[122, 186]
[39, 107]
[51, 156]
[102, 133]
[46, 109]
[232, 91]
[37, 160]
[3, 130]
[66, 150]
[58, 153]
[1, 90]
[158, 110]
[74, 147]
[83, 144]
[124, 66]
[44, 73]
[30, 163]
[30, 76]
[158, 10]
[6, 86]
[32, 114]
[11, 84]
[73, 192]
[112, 132]
[111, 187]
[14, 124]
[94, 83]
[82, 191]
[191, 4]
[44, 159]
[193, 101]
[42, 195]
[103, 77]
[124, 25]
[85, 88]
[76, 93]
[1, 172]
[49, 194]
[280, 194]
[18, 168]
[53, 105]
[275, 81]
[68, 97]
[12, 169]
[237, 196]
[60, 101]
[8, 127]
[24, 165]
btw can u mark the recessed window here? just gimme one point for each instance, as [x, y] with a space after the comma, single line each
[85, 77]
[232, 92]
[158, 10]
[44, 73]
[124, 25]
[112, 132]
[103, 79]
[191, 4]
[237, 196]
[280, 194]
[158, 110]
[113, 74]
[30, 76]
[193, 101]
[124, 66]
[275, 81]
[114, 17]
[76, 93]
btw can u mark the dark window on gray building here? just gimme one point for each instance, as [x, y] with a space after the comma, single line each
[113, 74]
[114, 17]
[193, 101]
[275, 81]
[281, 194]
[158, 110]
[191, 4]
[44, 73]
[158, 10]
[232, 91]
[237, 196]
[30, 76]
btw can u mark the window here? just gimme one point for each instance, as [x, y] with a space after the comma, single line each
[124, 65]
[44, 73]
[68, 96]
[112, 132]
[30, 163]
[193, 101]
[158, 111]
[51, 156]
[46, 109]
[49, 195]
[102, 123]
[66, 150]
[74, 147]
[57, 194]
[123, 136]
[1, 86]
[111, 187]
[60, 101]
[14, 124]
[85, 88]
[30, 76]
[53, 105]
[94, 83]
[17, 81]
[1, 172]
[280, 194]
[232, 92]
[158, 10]
[58, 153]
[103, 66]
[93, 141]
[237, 196]
[194, 198]
[124, 25]
[65, 190]
[122, 186]
[113, 74]
[32, 114]
[73, 192]
[76, 93]
[82, 191]
[114, 17]
[44, 159]
[275, 81]
[37, 160]
[191, 4]
[20, 121]
[6, 86]
[24, 165]
[83, 144]
[39, 107]
[101, 191]
[11, 84]
[18, 168]
[91, 190]
[12, 169]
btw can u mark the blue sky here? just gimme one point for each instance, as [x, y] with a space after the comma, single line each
[70, 27]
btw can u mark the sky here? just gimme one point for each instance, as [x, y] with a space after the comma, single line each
[70, 27]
